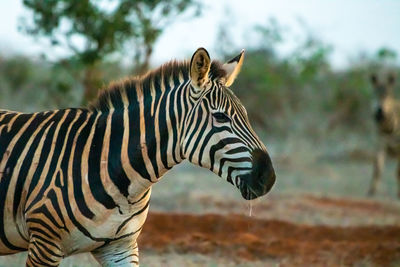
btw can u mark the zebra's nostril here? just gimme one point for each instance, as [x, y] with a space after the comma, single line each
[379, 115]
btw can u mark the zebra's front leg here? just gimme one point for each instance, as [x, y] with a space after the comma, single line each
[43, 252]
[118, 254]
[398, 177]
[378, 169]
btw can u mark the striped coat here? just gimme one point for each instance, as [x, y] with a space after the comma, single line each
[79, 180]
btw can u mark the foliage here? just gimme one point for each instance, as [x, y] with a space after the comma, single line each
[92, 30]
[299, 91]
[95, 29]
[31, 85]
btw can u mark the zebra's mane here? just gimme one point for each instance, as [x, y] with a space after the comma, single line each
[171, 69]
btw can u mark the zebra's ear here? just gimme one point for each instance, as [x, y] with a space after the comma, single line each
[232, 68]
[199, 68]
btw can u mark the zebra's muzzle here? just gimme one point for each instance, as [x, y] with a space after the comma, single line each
[379, 115]
[261, 178]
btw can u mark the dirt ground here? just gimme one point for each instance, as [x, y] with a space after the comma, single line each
[245, 239]
[284, 230]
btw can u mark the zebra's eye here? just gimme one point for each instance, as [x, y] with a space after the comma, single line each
[221, 117]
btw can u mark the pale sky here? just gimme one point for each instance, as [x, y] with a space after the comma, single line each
[351, 26]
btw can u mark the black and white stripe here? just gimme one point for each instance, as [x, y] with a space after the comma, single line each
[79, 180]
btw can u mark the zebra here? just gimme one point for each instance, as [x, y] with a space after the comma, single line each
[79, 179]
[387, 118]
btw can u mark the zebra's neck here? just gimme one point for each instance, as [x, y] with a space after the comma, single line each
[142, 122]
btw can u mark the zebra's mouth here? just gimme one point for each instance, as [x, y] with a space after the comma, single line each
[253, 188]
[260, 180]
[247, 192]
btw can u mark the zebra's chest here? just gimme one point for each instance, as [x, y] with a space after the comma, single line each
[391, 143]
[389, 134]
[115, 228]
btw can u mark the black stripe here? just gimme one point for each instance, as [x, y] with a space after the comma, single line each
[221, 144]
[44, 256]
[115, 170]
[77, 167]
[54, 202]
[44, 226]
[39, 230]
[149, 127]
[96, 187]
[124, 258]
[43, 244]
[223, 160]
[193, 115]
[130, 217]
[199, 117]
[65, 167]
[163, 129]
[173, 122]
[134, 147]
[38, 237]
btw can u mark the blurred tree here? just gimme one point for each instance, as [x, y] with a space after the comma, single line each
[270, 35]
[386, 54]
[17, 67]
[94, 29]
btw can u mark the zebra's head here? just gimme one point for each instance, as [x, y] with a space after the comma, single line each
[217, 131]
[383, 85]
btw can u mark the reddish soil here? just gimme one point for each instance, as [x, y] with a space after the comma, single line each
[369, 206]
[252, 239]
